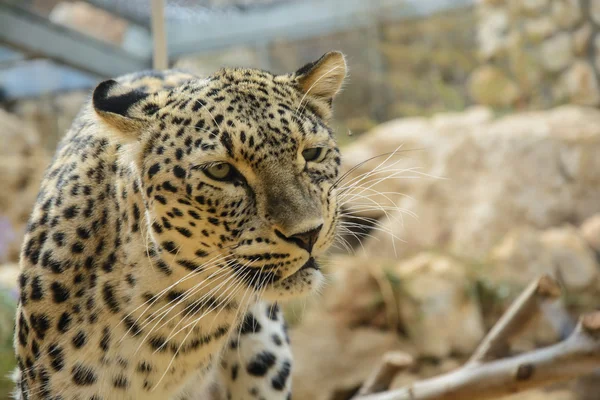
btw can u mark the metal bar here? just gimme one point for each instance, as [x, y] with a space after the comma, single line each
[35, 34]
[131, 10]
[292, 21]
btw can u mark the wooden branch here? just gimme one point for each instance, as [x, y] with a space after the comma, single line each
[392, 363]
[482, 379]
[516, 319]
[578, 355]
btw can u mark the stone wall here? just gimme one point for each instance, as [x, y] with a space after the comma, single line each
[537, 53]
[505, 54]
[398, 68]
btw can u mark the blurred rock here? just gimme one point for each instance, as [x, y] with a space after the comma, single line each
[557, 52]
[527, 253]
[438, 311]
[536, 168]
[532, 6]
[543, 47]
[51, 115]
[90, 20]
[354, 297]
[588, 387]
[416, 295]
[597, 51]
[540, 28]
[590, 231]
[541, 394]
[8, 275]
[566, 13]
[595, 11]
[581, 39]
[492, 30]
[490, 86]
[22, 165]
[581, 84]
[331, 359]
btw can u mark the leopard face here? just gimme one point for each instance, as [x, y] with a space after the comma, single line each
[236, 172]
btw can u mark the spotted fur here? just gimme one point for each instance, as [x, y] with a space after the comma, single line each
[146, 275]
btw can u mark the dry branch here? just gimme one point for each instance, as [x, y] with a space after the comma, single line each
[483, 379]
[578, 355]
[516, 319]
[392, 363]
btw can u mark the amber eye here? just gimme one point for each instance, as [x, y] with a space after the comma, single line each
[314, 154]
[220, 171]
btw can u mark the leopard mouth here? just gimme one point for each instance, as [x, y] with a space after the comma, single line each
[303, 281]
[311, 263]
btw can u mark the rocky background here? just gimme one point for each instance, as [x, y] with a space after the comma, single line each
[493, 111]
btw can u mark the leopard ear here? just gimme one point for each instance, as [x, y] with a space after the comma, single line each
[122, 108]
[323, 78]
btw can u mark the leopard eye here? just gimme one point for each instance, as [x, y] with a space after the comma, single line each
[314, 154]
[220, 172]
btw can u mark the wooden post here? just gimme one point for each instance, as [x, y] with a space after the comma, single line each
[159, 36]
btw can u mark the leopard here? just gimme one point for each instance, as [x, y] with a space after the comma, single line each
[177, 216]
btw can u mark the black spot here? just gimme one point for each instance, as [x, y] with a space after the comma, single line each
[192, 266]
[144, 367]
[227, 143]
[250, 325]
[79, 340]
[234, 372]
[105, 340]
[120, 382]
[260, 363]
[169, 187]
[150, 109]
[64, 322]
[35, 348]
[163, 267]
[36, 289]
[40, 324]
[158, 343]
[201, 253]
[179, 172]
[77, 248]
[60, 293]
[153, 170]
[56, 357]
[273, 311]
[276, 339]
[83, 375]
[278, 381]
[170, 247]
[59, 238]
[214, 221]
[71, 212]
[183, 231]
[110, 299]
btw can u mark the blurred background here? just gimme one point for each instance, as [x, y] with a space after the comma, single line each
[494, 102]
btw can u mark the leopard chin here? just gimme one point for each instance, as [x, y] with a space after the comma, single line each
[306, 280]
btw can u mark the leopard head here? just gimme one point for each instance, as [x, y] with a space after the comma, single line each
[236, 171]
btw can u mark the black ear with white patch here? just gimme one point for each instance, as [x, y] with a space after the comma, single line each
[323, 78]
[121, 107]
